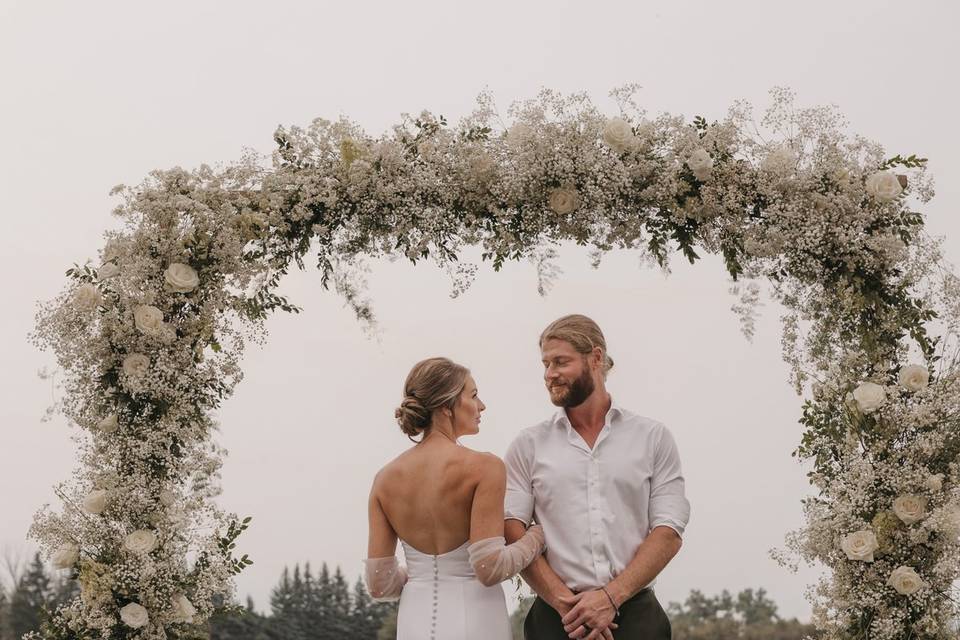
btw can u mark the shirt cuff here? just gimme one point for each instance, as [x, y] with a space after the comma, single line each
[664, 523]
[518, 505]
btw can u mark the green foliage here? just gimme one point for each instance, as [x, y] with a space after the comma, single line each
[750, 615]
[910, 162]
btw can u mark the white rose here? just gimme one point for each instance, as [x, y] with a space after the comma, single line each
[148, 319]
[136, 364]
[860, 545]
[700, 164]
[140, 541]
[519, 135]
[618, 135]
[869, 397]
[934, 482]
[564, 200]
[66, 556]
[107, 271]
[181, 278]
[87, 297]
[884, 186]
[183, 610]
[782, 160]
[910, 508]
[108, 424]
[914, 377]
[95, 502]
[167, 498]
[134, 615]
[905, 580]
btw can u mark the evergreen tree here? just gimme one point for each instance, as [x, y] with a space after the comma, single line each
[388, 626]
[364, 622]
[31, 594]
[4, 613]
[339, 621]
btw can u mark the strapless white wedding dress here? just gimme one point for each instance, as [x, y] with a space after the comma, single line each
[443, 600]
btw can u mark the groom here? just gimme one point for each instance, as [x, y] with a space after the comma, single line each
[606, 485]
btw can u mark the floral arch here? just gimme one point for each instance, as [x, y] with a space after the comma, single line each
[150, 339]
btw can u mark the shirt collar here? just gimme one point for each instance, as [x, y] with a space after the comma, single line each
[615, 410]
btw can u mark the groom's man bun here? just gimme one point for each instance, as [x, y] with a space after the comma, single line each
[582, 333]
[432, 384]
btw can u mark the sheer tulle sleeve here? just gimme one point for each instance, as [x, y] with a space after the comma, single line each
[494, 561]
[385, 578]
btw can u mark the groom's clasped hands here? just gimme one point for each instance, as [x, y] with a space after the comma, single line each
[589, 615]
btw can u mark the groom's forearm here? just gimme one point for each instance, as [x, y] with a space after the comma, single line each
[539, 575]
[653, 554]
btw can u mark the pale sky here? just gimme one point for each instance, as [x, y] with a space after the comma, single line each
[96, 94]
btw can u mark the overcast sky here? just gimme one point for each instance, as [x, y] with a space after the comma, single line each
[95, 94]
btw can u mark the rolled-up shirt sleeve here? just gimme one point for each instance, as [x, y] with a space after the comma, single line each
[668, 504]
[518, 504]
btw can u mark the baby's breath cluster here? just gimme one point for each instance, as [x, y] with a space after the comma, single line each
[150, 336]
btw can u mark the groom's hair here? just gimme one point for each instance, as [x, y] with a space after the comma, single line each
[582, 333]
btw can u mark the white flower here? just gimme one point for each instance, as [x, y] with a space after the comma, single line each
[914, 377]
[905, 580]
[107, 271]
[884, 186]
[134, 615]
[136, 365]
[183, 610]
[869, 397]
[519, 134]
[148, 319]
[66, 556]
[95, 502]
[140, 541]
[181, 278]
[108, 424]
[860, 545]
[700, 163]
[910, 508]
[167, 498]
[87, 297]
[782, 160]
[618, 135]
[934, 482]
[564, 200]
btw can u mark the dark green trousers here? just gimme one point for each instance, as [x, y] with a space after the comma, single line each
[641, 618]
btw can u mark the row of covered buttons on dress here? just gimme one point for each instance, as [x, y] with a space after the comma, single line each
[436, 588]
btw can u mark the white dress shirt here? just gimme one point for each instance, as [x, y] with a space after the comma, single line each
[596, 506]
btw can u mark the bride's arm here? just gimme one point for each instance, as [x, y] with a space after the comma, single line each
[384, 575]
[493, 560]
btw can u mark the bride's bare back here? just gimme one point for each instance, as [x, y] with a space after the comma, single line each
[436, 496]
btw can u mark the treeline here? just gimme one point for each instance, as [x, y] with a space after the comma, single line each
[322, 605]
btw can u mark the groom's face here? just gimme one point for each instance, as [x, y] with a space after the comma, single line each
[566, 374]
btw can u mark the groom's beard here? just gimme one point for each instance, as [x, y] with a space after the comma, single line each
[574, 394]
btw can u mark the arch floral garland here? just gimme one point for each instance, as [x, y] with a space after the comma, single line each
[149, 341]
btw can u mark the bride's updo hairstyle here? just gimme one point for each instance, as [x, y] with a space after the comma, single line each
[432, 384]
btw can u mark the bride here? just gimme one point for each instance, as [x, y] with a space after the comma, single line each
[445, 504]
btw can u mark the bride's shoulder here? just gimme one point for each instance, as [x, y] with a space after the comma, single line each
[483, 461]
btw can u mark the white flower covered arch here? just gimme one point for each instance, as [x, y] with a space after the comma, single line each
[150, 338]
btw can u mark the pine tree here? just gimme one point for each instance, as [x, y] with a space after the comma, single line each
[30, 596]
[339, 621]
[363, 620]
[283, 621]
[4, 613]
